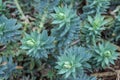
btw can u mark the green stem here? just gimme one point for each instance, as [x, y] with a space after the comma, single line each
[19, 8]
[22, 14]
[41, 25]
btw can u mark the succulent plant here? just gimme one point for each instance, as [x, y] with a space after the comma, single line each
[92, 28]
[7, 67]
[64, 18]
[73, 60]
[105, 54]
[37, 44]
[101, 5]
[9, 30]
[67, 25]
[94, 6]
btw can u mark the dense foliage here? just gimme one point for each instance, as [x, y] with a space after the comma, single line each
[8, 30]
[73, 61]
[58, 39]
[37, 44]
[104, 54]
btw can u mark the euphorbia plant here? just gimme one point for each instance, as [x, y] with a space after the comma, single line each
[9, 30]
[94, 6]
[66, 25]
[73, 61]
[64, 18]
[92, 28]
[37, 44]
[105, 54]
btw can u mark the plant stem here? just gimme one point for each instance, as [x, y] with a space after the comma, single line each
[19, 8]
[22, 14]
[41, 25]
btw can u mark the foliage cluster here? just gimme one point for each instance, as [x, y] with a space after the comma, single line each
[57, 39]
